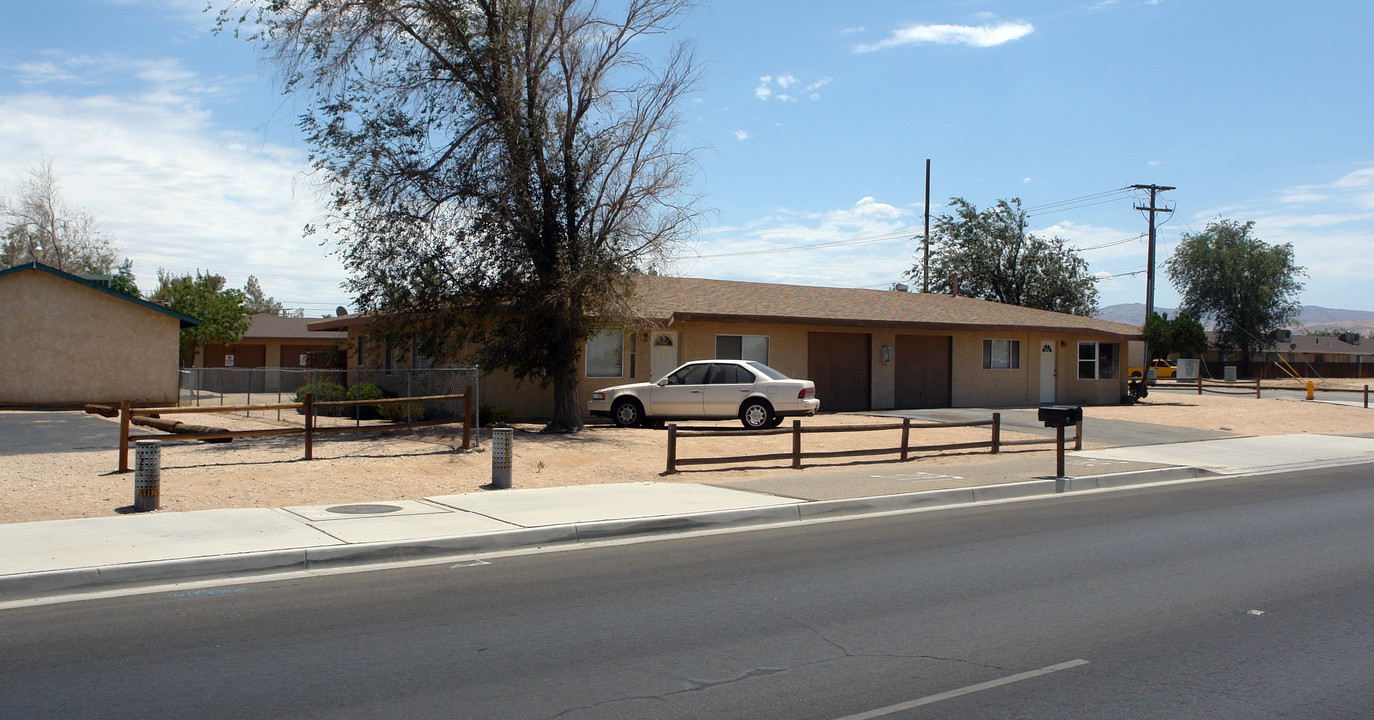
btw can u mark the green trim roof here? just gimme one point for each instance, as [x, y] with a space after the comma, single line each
[186, 320]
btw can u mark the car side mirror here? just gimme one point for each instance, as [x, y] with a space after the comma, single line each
[663, 382]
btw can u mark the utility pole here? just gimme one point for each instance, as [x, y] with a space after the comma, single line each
[925, 238]
[1150, 269]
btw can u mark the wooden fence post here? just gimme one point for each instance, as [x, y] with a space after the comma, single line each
[467, 417]
[796, 444]
[309, 426]
[124, 436]
[1366, 397]
[996, 433]
[1078, 435]
[906, 437]
[1199, 383]
[672, 449]
[1257, 389]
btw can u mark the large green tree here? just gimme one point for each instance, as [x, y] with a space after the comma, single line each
[1183, 335]
[1247, 288]
[498, 168]
[996, 260]
[223, 316]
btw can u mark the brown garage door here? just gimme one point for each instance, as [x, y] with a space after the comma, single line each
[245, 356]
[839, 364]
[922, 366]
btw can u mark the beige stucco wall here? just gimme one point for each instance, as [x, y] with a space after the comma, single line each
[972, 386]
[62, 342]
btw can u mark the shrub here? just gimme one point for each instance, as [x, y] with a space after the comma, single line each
[323, 392]
[493, 414]
[362, 391]
[397, 412]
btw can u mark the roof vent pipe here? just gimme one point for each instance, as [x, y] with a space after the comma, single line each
[954, 284]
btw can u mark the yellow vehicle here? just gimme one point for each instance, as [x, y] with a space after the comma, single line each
[1162, 368]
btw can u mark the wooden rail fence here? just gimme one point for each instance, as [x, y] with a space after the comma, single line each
[1239, 387]
[904, 450]
[127, 413]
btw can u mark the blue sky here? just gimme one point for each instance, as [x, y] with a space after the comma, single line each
[816, 119]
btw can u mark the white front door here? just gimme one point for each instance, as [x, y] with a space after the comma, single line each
[1047, 372]
[663, 357]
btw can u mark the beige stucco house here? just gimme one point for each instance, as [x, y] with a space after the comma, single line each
[276, 341]
[864, 349]
[68, 340]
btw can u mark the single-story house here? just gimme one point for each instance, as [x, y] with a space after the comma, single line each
[864, 349]
[278, 342]
[65, 339]
[1336, 356]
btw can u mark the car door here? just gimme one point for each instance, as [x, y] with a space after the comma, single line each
[726, 387]
[680, 394]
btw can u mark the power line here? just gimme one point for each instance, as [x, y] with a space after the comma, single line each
[816, 246]
[1113, 243]
[1072, 201]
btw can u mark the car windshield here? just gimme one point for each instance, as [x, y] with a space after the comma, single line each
[770, 372]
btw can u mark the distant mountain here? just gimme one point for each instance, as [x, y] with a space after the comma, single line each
[1313, 317]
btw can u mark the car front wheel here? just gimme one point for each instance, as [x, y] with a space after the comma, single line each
[755, 415]
[627, 413]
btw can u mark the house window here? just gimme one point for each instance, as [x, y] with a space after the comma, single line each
[742, 347]
[362, 351]
[604, 352]
[1098, 361]
[1001, 354]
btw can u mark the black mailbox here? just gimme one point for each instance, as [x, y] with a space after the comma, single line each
[1061, 415]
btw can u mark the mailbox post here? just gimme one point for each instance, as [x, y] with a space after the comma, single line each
[1060, 417]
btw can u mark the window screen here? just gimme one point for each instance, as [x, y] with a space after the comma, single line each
[742, 347]
[604, 353]
[1001, 354]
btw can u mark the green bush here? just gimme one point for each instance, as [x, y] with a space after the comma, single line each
[323, 392]
[334, 392]
[493, 414]
[397, 412]
[363, 391]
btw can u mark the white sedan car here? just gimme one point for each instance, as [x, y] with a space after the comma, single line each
[710, 390]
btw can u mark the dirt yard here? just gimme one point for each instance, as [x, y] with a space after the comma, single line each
[395, 465]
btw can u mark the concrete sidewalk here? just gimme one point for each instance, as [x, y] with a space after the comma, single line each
[63, 556]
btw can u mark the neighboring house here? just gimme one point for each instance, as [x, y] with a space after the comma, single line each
[864, 349]
[278, 342]
[1343, 356]
[69, 340]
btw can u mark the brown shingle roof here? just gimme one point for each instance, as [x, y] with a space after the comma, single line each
[266, 325]
[672, 298]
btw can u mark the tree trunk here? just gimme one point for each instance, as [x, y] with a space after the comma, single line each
[567, 407]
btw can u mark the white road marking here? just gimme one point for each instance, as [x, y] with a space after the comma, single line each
[929, 699]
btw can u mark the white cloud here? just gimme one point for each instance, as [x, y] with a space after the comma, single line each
[741, 134]
[971, 35]
[171, 187]
[771, 87]
[881, 261]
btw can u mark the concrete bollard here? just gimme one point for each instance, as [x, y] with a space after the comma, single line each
[501, 457]
[147, 475]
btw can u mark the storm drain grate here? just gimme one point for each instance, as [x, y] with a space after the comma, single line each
[363, 509]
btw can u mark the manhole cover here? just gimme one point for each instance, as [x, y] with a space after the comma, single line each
[363, 509]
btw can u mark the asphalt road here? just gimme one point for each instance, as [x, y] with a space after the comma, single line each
[1232, 598]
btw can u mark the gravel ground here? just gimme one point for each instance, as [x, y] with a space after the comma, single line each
[401, 464]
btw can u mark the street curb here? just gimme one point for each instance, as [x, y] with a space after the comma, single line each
[54, 582]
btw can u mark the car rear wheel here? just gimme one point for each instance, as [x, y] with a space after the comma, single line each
[755, 414]
[627, 413]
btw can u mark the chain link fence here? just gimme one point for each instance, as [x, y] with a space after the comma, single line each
[236, 386]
